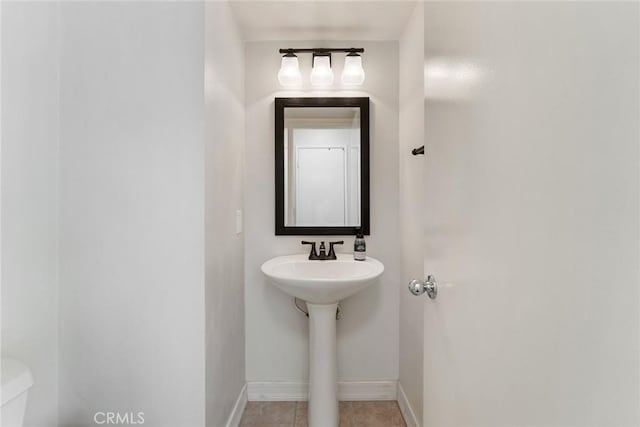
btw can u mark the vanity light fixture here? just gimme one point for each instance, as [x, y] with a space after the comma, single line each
[289, 74]
[321, 73]
[353, 73]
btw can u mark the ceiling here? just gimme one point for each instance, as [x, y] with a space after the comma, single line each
[321, 19]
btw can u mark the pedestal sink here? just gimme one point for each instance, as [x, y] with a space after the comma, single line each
[322, 284]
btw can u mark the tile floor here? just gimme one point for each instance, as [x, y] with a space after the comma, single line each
[294, 414]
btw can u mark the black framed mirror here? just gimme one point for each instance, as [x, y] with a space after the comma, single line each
[322, 166]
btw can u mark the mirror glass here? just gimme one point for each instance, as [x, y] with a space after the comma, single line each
[321, 166]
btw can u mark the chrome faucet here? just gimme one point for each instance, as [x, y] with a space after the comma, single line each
[322, 256]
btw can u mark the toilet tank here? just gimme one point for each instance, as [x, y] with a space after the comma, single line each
[16, 380]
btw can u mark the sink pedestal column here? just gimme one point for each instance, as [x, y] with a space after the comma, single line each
[323, 366]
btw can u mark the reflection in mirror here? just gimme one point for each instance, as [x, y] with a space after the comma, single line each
[322, 166]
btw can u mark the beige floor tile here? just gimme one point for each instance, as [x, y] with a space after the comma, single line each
[301, 415]
[352, 414]
[374, 414]
[268, 414]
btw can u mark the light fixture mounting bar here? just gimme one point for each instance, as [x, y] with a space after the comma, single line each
[323, 50]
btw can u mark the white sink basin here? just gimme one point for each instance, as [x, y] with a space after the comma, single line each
[321, 282]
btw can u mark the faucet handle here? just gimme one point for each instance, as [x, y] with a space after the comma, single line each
[332, 252]
[313, 254]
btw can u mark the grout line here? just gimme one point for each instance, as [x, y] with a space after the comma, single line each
[295, 415]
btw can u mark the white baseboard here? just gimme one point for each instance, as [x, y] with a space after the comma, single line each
[367, 390]
[276, 390]
[406, 409]
[347, 390]
[238, 408]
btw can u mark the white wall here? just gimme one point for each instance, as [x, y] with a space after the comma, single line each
[411, 210]
[30, 64]
[224, 163]
[132, 310]
[277, 334]
[534, 220]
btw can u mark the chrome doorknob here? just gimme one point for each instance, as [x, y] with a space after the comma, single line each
[419, 287]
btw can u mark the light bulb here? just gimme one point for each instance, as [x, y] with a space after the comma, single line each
[289, 74]
[321, 74]
[353, 73]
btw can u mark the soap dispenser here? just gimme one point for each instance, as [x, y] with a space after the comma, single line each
[359, 247]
